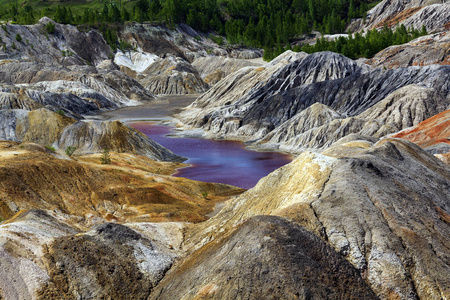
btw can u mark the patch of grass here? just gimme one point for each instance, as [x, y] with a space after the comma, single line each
[50, 148]
[70, 150]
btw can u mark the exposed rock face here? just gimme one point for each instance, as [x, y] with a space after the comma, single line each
[265, 257]
[47, 128]
[426, 50]
[212, 69]
[36, 46]
[376, 102]
[433, 14]
[234, 87]
[108, 88]
[375, 204]
[94, 136]
[434, 17]
[110, 259]
[319, 126]
[162, 60]
[9, 121]
[21, 246]
[432, 134]
[173, 76]
[119, 262]
[54, 251]
[183, 42]
[38, 126]
[63, 63]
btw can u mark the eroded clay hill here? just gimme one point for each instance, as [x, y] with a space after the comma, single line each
[383, 206]
[426, 50]
[311, 101]
[433, 14]
[56, 212]
[432, 134]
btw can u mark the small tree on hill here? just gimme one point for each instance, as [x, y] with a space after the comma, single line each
[105, 159]
[50, 27]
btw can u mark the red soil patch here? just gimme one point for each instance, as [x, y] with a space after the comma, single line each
[401, 16]
[432, 131]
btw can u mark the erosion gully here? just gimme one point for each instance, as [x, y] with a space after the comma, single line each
[217, 161]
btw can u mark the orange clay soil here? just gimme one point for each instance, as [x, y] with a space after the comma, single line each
[432, 131]
[132, 188]
[401, 16]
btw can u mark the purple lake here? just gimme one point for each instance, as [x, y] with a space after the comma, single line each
[216, 161]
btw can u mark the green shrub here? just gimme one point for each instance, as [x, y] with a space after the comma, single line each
[70, 150]
[50, 27]
[18, 38]
[50, 148]
[217, 39]
[205, 195]
[61, 112]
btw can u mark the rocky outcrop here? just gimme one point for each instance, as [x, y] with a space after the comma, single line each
[64, 62]
[94, 136]
[161, 59]
[55, 239]
[182, 41]
[40, 126]
[373, 203]
[265, 257]
[426, 50]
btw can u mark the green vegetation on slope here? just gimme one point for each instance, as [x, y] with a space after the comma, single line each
[268, 24]
[365, 46]
[257, 23]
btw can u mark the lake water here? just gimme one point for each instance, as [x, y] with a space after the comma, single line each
[216, 161]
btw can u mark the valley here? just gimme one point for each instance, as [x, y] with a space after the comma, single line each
[167, 163]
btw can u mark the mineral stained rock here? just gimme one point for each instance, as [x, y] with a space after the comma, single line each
[128, 189]
[432, 134]
[433, 14]
[426, 50]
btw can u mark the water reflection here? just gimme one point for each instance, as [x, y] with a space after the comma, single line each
[216, 161]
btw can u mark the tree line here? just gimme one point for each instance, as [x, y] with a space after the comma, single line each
[255, 23]
[364, 45]
[270, 24]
